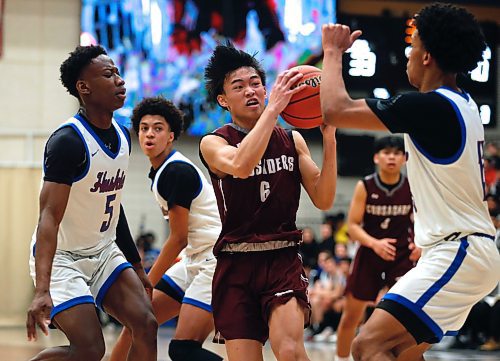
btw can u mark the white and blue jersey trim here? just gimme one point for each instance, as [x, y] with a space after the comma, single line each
[105, 149]
[454, 157]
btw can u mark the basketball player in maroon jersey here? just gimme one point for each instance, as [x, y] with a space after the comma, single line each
[257, 167]
[380, 219]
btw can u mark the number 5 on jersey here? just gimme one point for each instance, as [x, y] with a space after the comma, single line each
[109, 210]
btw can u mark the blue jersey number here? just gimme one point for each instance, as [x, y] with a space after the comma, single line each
[480, 154]
[109, 210]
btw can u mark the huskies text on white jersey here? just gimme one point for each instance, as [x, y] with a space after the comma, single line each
[91, 215]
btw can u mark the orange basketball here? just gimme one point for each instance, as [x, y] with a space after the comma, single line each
[304, 109]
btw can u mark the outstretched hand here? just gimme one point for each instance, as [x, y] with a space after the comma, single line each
[39, 314]
[338, 37]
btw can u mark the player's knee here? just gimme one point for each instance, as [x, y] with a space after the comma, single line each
[360, 348]
[289, 349]
[144, 327]
[93, 352]
[190, 350]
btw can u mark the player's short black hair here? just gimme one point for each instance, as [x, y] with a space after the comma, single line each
[162, 107]
[389, 141]
[452, 36]
[72, 67]
[224, 60]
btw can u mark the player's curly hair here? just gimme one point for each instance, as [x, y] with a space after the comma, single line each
[224, 60]
[72, 67]
[162, 107]
[452, 36]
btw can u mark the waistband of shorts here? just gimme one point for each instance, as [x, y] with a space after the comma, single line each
[479, 234]
[457, 236]
[257, 246]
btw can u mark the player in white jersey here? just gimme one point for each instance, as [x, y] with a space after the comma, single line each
[460, 263]
[74, 260]
[188, 202]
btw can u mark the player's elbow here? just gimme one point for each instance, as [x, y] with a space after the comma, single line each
[242, 171]
[324, 204]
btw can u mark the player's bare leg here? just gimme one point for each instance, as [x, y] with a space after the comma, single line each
[81, 326]
[126, 301]
[164, 308]
[383, 338]
[352, 314]
[286, 332]
[244, 350]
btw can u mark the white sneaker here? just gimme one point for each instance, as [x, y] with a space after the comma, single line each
[324, 335]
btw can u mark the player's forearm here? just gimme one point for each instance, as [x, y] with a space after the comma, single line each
[357, 233]
[167, 257]
[45, 249]
[326, 184]
[254, 144]
[333, 94]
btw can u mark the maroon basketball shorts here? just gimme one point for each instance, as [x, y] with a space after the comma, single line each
[370, 273]
[247, 285]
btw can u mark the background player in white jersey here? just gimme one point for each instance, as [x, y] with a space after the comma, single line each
[74, 260]
[188, 202]
[444, 138]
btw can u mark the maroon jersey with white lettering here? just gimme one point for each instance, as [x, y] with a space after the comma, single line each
[262, 207]
[388, 213]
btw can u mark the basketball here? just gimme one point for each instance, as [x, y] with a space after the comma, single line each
[304, 108]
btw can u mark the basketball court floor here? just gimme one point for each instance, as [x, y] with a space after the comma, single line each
[15, 347]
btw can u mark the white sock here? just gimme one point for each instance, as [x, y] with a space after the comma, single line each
[343, 358]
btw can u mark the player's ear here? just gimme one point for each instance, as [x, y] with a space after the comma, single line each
[82, 87]
[427, 58]
[375, 158]
[221, 99]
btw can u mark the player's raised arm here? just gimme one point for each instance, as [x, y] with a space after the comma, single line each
[240, 161]
[320, 184]
[337, 107]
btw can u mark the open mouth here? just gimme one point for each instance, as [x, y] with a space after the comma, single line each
[252, 102]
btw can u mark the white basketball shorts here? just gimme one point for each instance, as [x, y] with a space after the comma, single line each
[440, 291]
[77, 279]
[191, 279]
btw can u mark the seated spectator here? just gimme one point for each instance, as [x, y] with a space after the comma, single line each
[309, 250]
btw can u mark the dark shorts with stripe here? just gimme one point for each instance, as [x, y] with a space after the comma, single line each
[370, 273]
[248, 285]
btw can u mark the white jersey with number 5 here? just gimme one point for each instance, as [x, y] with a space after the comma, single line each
[91, 215]
[449, 193]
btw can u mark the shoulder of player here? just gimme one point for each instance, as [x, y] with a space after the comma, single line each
[178, 169]
[65, 137]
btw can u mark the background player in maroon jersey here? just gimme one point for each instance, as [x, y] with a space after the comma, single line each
[380, 219]
[259, 286]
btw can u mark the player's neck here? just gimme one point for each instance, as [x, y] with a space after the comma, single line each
[98, 118]
[436, 79]
[158, 160]
[245, 124]
[389, 178]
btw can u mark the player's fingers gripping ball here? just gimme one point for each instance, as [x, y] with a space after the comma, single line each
[304, 108]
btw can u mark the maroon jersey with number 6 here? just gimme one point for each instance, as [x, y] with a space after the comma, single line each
[262, 207]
